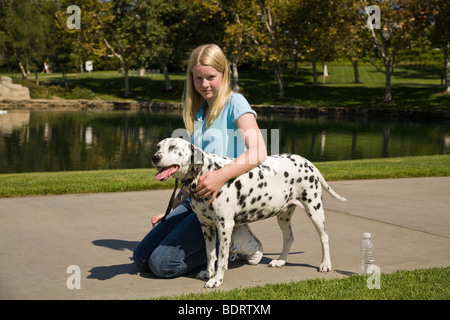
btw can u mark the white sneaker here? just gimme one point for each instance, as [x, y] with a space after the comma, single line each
[245, 244]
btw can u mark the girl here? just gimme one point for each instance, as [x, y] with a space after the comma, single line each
[222, 122]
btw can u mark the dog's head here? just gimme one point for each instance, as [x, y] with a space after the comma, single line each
[175, 157]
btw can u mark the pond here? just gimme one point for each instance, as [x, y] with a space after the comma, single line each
[35, 141]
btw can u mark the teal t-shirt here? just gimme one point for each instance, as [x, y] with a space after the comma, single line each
[222, 137]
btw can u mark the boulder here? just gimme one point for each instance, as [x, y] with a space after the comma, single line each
[12, 91]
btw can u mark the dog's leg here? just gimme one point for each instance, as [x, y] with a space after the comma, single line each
[209, 233]
[317, 216]
[284, 221]
[224, 230]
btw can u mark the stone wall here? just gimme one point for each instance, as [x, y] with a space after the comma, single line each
[11, 91]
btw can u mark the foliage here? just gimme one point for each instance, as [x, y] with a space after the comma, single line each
[268, 34]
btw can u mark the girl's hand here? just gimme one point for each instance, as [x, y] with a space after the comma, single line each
[156, 219]
[210, 184]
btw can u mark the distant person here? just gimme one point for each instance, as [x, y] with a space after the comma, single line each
[46, 68]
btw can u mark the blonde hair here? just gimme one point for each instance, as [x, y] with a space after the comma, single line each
[205, 55]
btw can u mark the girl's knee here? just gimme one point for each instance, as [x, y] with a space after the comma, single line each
[168, 264]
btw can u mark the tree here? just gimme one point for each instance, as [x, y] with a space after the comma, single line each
[87, 40]
[316, 28]
[271, 38]
[401, 22]
[441, 35]
[25, 33]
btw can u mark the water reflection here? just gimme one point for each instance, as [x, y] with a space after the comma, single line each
[32, 141]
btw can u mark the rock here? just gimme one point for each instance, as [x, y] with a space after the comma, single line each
[12, 91]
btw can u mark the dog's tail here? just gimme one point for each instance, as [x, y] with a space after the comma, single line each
[328, 188]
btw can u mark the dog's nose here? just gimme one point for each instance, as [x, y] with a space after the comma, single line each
[156, 158]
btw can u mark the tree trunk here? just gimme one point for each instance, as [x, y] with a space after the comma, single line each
[127, 85]
[315, 81]
[235, 77]
[22, 69]
[387, 88]
[355, 70]
[166, 76]
[447, 67]
[279, 76]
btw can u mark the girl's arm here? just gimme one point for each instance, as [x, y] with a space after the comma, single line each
[256, 153]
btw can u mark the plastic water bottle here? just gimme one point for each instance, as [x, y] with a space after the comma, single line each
[366, 253]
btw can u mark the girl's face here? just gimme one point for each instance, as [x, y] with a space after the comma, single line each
[207, 82]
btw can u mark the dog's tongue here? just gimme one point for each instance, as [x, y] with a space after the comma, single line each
[165, 173]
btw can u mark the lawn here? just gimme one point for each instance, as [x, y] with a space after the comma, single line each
[43, 183]
[414, 87]
[420, 284]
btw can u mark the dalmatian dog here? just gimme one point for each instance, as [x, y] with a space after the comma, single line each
[273, 188]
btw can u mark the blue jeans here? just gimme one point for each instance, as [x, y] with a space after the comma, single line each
[173, 247]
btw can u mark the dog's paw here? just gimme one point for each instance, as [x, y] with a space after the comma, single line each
[214, 283]
[203, 275]
[277, 263]
[325, 267]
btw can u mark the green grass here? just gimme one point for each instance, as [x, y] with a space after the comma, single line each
[43, 183]
[420, 284]
[414, 87]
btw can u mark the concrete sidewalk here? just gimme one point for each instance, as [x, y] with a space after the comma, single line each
[40, 237]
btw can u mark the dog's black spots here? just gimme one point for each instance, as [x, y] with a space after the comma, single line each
[224, 233]
[228, 199]
[259, 198]
[216, 166]
[172, 147]
[261, 175]
[306, 177]
[260, 185]
[309, 200]
[317, 207]
[286, 174]
[315, 194]
[230, 182]
[252, 211]
[193, 186]
[238, 185]
[218, 194]
[253, 201]
[299, 180]
[304, 196]
[180, 154]
[292, 181]
[250, 175]
[311, 179]
[263, 204]
[270, 198]
[242, 200]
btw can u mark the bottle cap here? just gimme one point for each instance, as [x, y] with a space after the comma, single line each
[367, 235]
